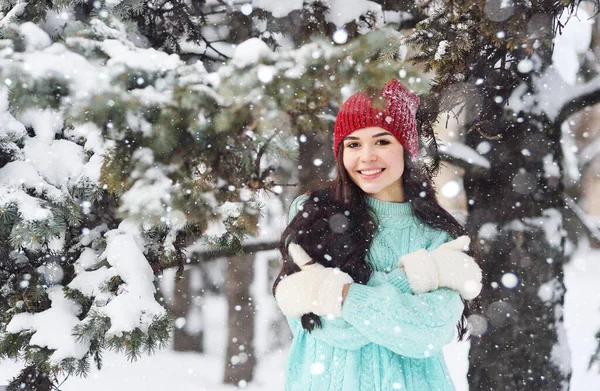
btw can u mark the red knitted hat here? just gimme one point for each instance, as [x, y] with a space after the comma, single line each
[398, 118]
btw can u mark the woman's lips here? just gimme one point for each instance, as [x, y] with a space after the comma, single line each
[371, 174]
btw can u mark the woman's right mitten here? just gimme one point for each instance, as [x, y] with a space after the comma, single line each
[315, 288]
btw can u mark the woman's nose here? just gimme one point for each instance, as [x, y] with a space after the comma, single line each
[368, 154]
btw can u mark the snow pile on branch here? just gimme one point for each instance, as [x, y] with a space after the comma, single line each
[441, 50]
[148, 195]
[249, 52]
[575, 40]
[35, 37]
[149, 60]
[553, 94]
[552, 225]
[134, 306]
[53, 328]
[13, 14]
[10, 128]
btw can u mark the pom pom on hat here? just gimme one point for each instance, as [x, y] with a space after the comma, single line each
[398, 117]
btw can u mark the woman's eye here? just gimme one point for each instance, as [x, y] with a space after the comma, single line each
[383, 142]
[351, 145]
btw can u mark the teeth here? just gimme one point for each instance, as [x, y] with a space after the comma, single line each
[371, 172]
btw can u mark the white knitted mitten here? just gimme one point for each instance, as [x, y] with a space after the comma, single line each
[446, 266]
[314, 288]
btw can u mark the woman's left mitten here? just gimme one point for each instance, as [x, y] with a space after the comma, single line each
[458, 271]
[446, 266]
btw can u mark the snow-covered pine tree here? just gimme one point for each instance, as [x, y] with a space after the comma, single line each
[64, 265]
[492, 60]
[113, 157]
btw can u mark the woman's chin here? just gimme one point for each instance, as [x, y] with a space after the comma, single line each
[371, 191]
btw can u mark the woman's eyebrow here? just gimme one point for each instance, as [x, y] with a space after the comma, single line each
[374, 136]
[382, 134]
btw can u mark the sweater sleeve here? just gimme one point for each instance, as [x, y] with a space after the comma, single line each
[335, 332]
[438, 239]
[398, 279]
[338, 332]
[413, 326]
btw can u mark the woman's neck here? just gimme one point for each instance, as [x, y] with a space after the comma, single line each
[392, 193]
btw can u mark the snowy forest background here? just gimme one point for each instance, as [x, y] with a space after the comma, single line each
[149, 150]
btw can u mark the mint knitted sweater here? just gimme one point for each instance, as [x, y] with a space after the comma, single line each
[388, 338]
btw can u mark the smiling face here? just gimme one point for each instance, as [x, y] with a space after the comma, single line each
[374, 160]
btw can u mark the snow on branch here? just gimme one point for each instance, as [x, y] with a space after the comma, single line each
[555, 98]
[134, 306]
[339, 12]
[13, 14]
[578, 98]
[52, 328]
[461, 155]
[550, 222]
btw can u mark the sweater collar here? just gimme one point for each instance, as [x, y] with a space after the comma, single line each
[385, 208]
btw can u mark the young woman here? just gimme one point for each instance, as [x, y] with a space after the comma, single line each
[372, 279]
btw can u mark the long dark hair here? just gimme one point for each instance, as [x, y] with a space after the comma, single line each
[336, 227]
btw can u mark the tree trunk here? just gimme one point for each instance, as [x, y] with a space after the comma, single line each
[516, 211]
[315, 159]
[240, 359]
[187, 311]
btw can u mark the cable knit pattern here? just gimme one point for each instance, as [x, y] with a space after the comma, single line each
[387, 338]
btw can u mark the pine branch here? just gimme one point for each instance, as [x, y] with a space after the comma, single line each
[208, 255]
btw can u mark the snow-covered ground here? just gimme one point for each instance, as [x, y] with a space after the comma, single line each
[187, 371]
[582, 317]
